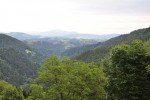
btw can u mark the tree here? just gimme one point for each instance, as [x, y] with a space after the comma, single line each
[9, 92]
[127, 72]
[70, 80]
[37, 92]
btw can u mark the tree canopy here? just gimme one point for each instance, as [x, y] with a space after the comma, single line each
[69, 80]
[9, 92]
[127, 72]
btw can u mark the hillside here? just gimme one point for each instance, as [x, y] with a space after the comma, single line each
[17, 61]
[10, 42]
[103, 48]
[22, 36]
[72, 52]
[15, 68]
[56, 46]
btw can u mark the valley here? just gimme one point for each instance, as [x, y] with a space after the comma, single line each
[74, 49]
[43, 65]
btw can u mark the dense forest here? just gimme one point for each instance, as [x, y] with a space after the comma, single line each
[117, 69]
[101, 50]
[18, 62]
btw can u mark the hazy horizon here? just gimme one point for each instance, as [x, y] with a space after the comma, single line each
[83, 16]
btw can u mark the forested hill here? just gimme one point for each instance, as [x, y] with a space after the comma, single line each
[17, 63]
[103, 48]
[10, 42]
[55, 46]
[16, 68]
[72, 52]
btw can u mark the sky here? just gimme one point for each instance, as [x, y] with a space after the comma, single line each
[84, 16]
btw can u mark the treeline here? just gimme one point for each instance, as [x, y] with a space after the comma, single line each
[123, 75]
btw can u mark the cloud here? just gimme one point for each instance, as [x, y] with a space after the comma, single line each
[114, 6]
[86, 16]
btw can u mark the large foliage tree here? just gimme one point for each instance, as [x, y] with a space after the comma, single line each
[69, 80]
[127, 72]
[9, 92]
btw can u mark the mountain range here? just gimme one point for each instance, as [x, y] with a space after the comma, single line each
[20, 59]
[76, 35]
[59, 34]
[57, 42]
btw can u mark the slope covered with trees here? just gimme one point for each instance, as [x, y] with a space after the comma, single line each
[15, 68]
[17, 63]
[127, 70]
[56, 46]
[10, 42]
[72, 52]
[123, 75]
[104, 48]
[10, 92]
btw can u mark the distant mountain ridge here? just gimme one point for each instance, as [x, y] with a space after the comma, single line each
[59, 34]
[57, 42]
[76, 35]
[21, 35]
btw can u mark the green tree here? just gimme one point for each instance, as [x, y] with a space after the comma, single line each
[37, 92]
[70, 80]
[127, 72]
[9, 92]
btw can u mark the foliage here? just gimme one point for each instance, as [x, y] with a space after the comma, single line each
[72, 52]
[69, 80]
[147, 47]
[102, 50]
[127, 72]
[37, 92]
[7, 42]
[16, 68]
[9, 92]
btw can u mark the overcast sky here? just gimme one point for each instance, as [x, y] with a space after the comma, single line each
[85, 16]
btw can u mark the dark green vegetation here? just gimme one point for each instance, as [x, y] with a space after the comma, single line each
[127, 70]
[103, 49]
[10, 42]
[17, 63]
[120, 71]
[7, 42]
[16, 68]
